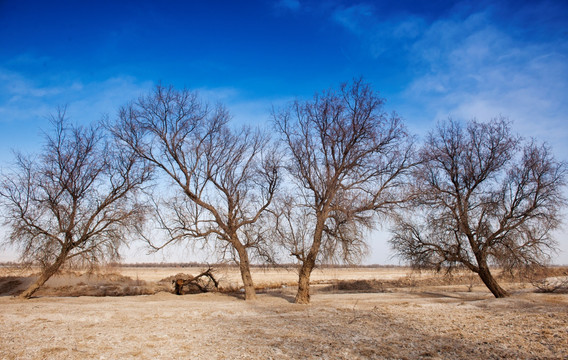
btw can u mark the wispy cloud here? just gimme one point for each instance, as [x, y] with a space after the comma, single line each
[26, 103]
[293, 5]
[379, 34]
[470, 64]
[24, 99]
[16, 86]
[356, 18]
[472, 68]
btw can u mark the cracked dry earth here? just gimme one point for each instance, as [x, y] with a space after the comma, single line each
[399, 325]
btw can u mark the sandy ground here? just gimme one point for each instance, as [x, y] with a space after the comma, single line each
[418, 322]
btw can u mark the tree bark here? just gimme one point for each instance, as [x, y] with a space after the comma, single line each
[45, 275]
[244, 267]
[491, 283]
[303, 294]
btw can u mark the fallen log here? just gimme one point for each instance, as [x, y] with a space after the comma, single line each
[204, 282]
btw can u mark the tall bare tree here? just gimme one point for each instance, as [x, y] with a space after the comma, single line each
[483, 196]
[75, 201]
[347, 158]
[225, 179]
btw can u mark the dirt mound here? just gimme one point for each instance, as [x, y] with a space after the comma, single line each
[408, 281]
[76, 284]
[104, 284]
[14, 285]
[107, 289]
[9, 284]
[358, 286]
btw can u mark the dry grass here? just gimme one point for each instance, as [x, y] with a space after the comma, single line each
[371, 313]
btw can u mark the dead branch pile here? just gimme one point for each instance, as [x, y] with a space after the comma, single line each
[188, 284]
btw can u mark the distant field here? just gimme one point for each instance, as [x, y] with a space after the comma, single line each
[274, 275]
[358, 313]
[228, 277]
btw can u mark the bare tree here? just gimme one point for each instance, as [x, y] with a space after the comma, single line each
[347, 158]
[224, 179]
[483, 196]
[76, 201]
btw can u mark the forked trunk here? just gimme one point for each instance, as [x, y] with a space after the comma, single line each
[491, 283]
[244, 267]
[45, 275]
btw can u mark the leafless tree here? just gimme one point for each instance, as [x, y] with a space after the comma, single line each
[483, 196]
[75, 201]
[224, 179]
[347, 158]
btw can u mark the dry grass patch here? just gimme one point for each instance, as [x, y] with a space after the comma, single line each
[376, 316]
[400, 324]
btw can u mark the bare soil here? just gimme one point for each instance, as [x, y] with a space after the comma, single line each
[354, 314]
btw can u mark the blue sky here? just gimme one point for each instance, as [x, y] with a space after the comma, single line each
[429, 59]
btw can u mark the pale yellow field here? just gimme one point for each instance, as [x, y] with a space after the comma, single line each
[430, 322]
[267, 276]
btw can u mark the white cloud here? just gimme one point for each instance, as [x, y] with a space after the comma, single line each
[473, 69]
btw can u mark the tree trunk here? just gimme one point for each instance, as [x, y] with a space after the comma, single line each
[491, 283]
[244, 267]
[303, 294]
[45, 275]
